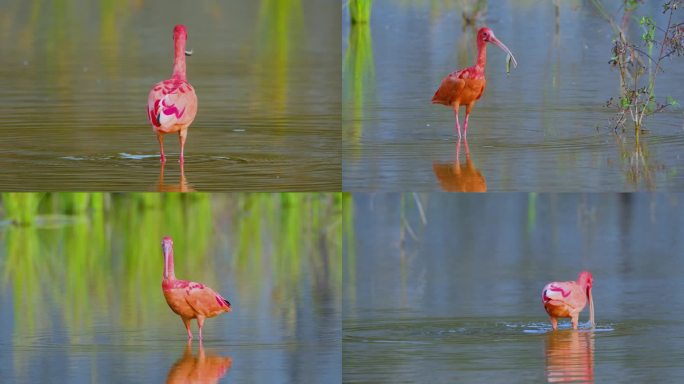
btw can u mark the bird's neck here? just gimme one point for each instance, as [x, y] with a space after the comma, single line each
[168, 266]
[179, 60]
[481, 56]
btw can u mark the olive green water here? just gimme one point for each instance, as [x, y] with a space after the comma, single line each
[458, 299]
[75, 75]
[543, 127]
[81, 298]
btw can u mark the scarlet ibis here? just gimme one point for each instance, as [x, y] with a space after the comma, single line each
[466, 86]
[568, 299]
[172, 103]
[188, 299]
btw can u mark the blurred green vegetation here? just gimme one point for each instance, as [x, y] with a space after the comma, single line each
[360, 11]
[83, 255]
[358, 74]
[280, 25]
[79, 41]
[349, 247]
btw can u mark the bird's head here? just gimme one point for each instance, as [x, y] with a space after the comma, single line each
[167, 245]
[585, 279]
[486, 35]
[181, 34]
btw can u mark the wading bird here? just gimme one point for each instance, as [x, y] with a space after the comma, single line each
[188, 299]
[172, 103]
[466, 86]
[568, 299]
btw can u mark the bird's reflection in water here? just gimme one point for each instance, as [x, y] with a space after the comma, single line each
[570, 357]
[457, 177]
[203, 368]
[638, 168]
[181, 186]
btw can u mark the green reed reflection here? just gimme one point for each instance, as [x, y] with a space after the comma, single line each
[280, 23]
[358, 75]
[349, 247]
[360, 11]
[96, 254]
[21, 208]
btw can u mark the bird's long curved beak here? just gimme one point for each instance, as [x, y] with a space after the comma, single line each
[591, 309]
[189, 53]
[503, 46]
[166, 251]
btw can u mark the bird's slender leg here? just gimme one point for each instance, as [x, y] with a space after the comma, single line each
[554, 323]
[186, 322]
[467, 117]
[575, 321]
[200, 322]
[182, 135]
[458, 126]
[160, 137]
[465, 125]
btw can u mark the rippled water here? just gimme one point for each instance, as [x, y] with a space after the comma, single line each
[458, 299]
[75, 78]
[81, 298]
[543, 127]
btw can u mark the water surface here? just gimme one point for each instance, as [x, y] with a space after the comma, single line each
[458, 299]
[74, 80]
[81, 294]
[543, 127]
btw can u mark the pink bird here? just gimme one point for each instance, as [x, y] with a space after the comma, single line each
[172, 103]
[188, 299]
[568, 299]
[466, 86]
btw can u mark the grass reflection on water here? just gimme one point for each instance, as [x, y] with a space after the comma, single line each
[82, 260]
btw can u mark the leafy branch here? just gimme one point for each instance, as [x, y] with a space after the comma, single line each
[637, 64]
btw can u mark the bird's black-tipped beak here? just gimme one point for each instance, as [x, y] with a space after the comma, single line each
[188, 53]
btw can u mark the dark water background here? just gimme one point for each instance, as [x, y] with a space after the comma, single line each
[458, 299]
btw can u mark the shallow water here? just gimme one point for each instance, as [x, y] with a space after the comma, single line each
[458, 299]
[81, 298]
[75, 79]
[543, 127]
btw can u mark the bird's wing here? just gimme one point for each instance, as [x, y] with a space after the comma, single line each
[451, 86]
[171, 102]
[204, 300]
[482, 89]
[565, 291]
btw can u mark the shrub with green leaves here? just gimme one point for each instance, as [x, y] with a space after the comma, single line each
[640, 62]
